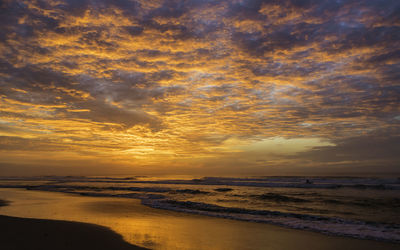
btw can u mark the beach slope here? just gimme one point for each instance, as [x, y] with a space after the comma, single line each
[23, 233]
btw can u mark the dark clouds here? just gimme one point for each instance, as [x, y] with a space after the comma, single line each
[158, 76]
[380, 148]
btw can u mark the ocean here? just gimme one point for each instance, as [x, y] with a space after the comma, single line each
[357, 207]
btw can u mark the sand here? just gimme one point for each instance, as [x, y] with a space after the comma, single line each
[144, 226]
[22, 233]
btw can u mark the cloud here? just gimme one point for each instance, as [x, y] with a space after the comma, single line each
[167, 81]
[107, 113]
[380, 148]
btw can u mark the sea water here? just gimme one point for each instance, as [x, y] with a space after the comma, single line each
[365, 208]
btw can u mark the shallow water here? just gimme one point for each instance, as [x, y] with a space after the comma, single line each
[365, 208]
[161, 229]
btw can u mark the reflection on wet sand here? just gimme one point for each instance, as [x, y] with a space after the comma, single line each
[159, 229]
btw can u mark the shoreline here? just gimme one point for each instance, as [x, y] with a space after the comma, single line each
[223, 216]
[161, 228]
[28, 233]
[24, 233]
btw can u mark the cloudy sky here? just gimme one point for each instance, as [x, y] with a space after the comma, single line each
[200, 87]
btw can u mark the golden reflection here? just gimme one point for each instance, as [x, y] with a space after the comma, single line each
[160, 229]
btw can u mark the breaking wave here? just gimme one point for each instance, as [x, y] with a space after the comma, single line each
[337, 206]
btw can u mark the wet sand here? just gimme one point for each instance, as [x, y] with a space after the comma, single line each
[158, 229]
[22, 233]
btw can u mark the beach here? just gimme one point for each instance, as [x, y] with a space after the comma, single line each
[200, 124]
[145, 227]
[23, 233]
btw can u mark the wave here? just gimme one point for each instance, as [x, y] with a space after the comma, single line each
[279, 198]
[388, 202]
[314, 210]
[190, 191]
[223, 189]
[322, 224]
[274, 182]
[326, 225]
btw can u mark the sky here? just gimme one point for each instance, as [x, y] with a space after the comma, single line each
[203, 87]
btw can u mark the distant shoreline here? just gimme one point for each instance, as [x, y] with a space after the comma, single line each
[23, 233]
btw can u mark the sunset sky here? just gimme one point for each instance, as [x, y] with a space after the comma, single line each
[200, 87]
